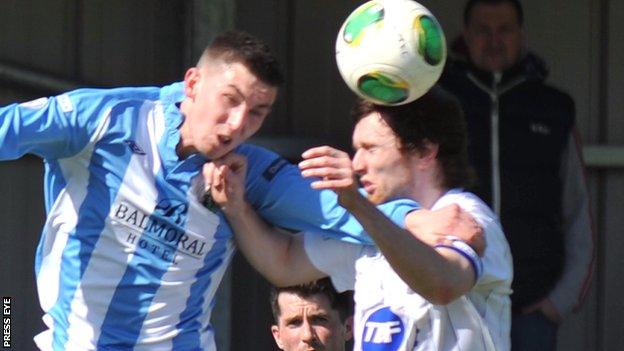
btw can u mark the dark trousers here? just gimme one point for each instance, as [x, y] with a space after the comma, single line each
[533, 332]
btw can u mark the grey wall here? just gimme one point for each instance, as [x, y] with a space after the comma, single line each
[140, 42]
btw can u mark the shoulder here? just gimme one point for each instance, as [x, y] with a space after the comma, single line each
[262, 160]
[470, 203]
[497, 261]
[172, 93]
[555, 94]
[543, 94]
[89, 100]
[123, 93]
[480, 211]
[546, 101]
[265, 165]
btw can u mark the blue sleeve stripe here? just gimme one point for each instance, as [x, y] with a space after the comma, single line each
[466, 251]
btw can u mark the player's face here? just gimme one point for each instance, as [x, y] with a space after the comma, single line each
[494, 36]
[309, 324]
[385, 172]
[225, 105]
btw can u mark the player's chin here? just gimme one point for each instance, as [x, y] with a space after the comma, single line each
[376, 197]
[219, 151]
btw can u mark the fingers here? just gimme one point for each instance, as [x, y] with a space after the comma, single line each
[214, 175]
[332, 167]
[453, 211]
[332, 184]
[469, 230]
[323, 151]
[208, 172]
[324, 156]
[325, 161]
[220, 178]
[224, 180]
[235, 162]
[328, 172]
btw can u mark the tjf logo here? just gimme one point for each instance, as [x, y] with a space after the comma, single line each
[383, 331]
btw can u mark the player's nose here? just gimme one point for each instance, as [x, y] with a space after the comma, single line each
[358, 162]
[307, 333]
[238, 117]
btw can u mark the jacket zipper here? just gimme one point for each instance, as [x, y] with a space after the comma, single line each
[494, 93]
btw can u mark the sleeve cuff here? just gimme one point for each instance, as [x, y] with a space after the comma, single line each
[466, 251]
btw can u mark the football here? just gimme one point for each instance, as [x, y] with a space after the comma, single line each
[390, 51]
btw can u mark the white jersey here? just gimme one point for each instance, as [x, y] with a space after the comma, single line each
[390, 316]
[128, 258]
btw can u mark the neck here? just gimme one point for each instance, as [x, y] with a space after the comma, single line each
[428, 196]
[426, 189]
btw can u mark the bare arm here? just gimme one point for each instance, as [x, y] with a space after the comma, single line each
[279, 256]
[439, 275]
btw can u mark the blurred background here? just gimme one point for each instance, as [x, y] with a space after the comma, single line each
[49, 46]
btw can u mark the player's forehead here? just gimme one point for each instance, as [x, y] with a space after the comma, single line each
[238, 77]
[371, 130]
[292, 304]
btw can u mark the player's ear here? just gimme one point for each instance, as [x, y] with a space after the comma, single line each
[191, 78]
[428, 154]
[348, 325]
[276, 335]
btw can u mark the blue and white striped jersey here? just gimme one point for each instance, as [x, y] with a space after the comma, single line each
[128, 257]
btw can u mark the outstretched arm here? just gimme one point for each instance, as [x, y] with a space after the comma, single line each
[278, 255]
[440, 275]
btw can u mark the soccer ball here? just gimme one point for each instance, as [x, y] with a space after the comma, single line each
[390, 51]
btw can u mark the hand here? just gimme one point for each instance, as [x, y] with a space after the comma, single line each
[334, 169]
[225, 179]
[432, 227]
[547, 307]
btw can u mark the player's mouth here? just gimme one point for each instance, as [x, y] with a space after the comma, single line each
[368, 186]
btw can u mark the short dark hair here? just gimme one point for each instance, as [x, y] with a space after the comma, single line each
[341, 302]
[251, 51]
[471, 4]
[435, 117]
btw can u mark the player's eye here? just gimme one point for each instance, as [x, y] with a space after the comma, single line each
[294, 323]
[231, 100]
[258, 113]
[320, 320]
[372, 149]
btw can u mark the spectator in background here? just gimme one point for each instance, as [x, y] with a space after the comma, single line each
[526, 150]
[311, 316]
